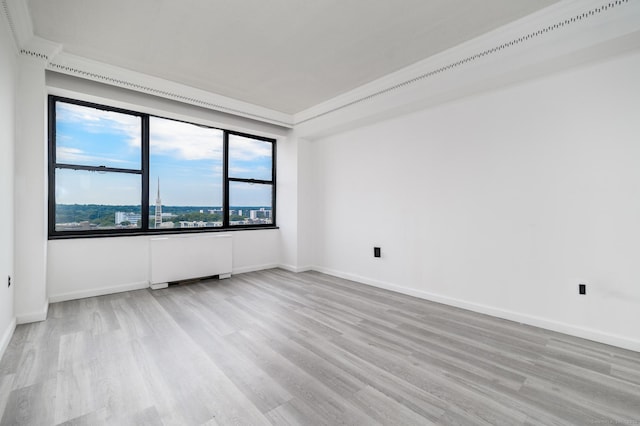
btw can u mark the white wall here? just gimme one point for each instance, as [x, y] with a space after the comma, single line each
[8, 78]
[94, 266]
[287, 200]
[294, 202]
[501, 202]
[306, 203]
[30, 192]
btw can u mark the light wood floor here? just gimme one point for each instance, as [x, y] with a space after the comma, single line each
[282, 348]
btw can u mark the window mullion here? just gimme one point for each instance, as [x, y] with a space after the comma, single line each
[52, 161]
[145, 173]
[273, 180]
[225, 171]
[97, 169]
[258, 181]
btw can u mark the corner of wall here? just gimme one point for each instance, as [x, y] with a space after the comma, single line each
[34, 316]
[6, 337]
[8, 76]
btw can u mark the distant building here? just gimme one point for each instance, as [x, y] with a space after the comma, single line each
[85, 225]
[193, 224]
[199, 224]
[262, 213]
[130, 217]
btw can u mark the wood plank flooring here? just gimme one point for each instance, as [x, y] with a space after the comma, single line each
[273, 347]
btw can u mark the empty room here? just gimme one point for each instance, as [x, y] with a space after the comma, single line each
[324, 212]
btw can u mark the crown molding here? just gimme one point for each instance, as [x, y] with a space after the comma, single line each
[572, 30]
[26, 44]
[66, 63]
[6, 18]
[17, 15]
[539, 43]
[40, 48]
[56, 59]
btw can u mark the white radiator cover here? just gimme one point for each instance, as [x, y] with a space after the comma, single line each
[183, 257]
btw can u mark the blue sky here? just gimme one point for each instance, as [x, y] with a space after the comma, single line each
[186, 158]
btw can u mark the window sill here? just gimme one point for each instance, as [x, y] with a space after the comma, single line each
[70, 236]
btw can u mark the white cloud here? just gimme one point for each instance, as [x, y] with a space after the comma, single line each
[252, 172]
[184, 141]
[99, 121]
[177, 139]
[246, 149]
[75, 156]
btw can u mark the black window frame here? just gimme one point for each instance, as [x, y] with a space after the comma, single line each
[144, 173]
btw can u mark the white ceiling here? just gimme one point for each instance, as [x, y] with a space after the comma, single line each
[286, 55]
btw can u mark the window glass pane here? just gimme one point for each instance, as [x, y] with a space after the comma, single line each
[93, 137]
[88, 200]
[250, 158]
[250, 203]
[185, 175]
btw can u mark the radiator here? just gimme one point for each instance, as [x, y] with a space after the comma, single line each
[177, 258]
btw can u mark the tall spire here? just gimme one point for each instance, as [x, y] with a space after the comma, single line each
[158, 215]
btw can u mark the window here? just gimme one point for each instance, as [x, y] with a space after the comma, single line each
[250, 180]
[119, 172]
[185, 169]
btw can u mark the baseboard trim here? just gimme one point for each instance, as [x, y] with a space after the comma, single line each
[560, 327]
[81, 294]
[295, 269]
[6, 337]
[254, 268]
[36, 316]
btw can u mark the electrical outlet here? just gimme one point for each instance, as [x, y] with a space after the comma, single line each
[9, 281]
[376, 252]
[582, 289]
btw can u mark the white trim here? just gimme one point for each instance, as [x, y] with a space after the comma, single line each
[81, 294]
[540, 38]
[6, 337]
[10, 26]
[66, 63]
[158, 286]
[561, 327]
[40, 48]
[537, 44]
[253, 268]
[90, 91]
[296, 269]
[19, 19]
[36, 316]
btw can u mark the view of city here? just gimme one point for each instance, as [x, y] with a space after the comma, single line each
[79, 217]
